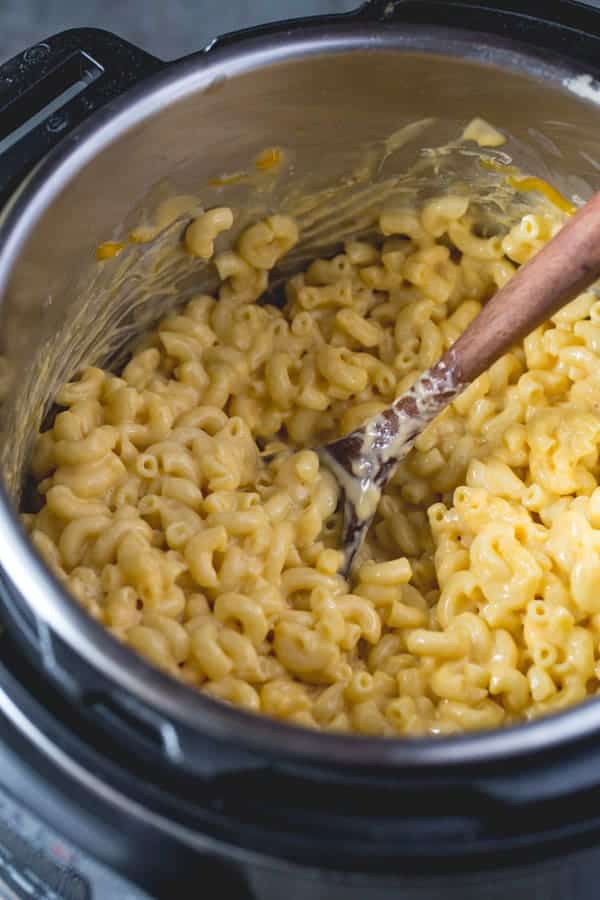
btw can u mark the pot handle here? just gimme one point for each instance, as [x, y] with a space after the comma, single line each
[53, 86]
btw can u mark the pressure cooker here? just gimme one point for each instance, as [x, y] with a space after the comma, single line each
[115, 780]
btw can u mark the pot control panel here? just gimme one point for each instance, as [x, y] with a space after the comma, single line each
[37, 864]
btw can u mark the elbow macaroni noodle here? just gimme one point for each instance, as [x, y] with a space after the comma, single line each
[184, 512]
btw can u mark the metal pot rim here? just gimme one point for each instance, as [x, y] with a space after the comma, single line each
[30, 577]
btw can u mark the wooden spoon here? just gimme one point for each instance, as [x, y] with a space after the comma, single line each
[364, 460]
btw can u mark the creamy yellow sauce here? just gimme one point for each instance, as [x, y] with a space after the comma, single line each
[184, 508]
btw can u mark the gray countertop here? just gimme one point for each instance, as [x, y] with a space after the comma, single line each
[167, 28]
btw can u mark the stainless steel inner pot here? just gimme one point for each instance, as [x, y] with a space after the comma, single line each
[328, 93]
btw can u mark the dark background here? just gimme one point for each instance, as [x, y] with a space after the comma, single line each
[167, 28]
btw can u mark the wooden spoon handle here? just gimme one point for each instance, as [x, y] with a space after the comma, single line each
[561, 270]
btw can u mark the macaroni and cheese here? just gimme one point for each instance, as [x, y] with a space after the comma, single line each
[183, 507]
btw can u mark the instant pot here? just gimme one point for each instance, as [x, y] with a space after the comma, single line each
[116, 782]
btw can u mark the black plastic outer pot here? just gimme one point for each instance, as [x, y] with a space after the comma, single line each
[200, 792]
